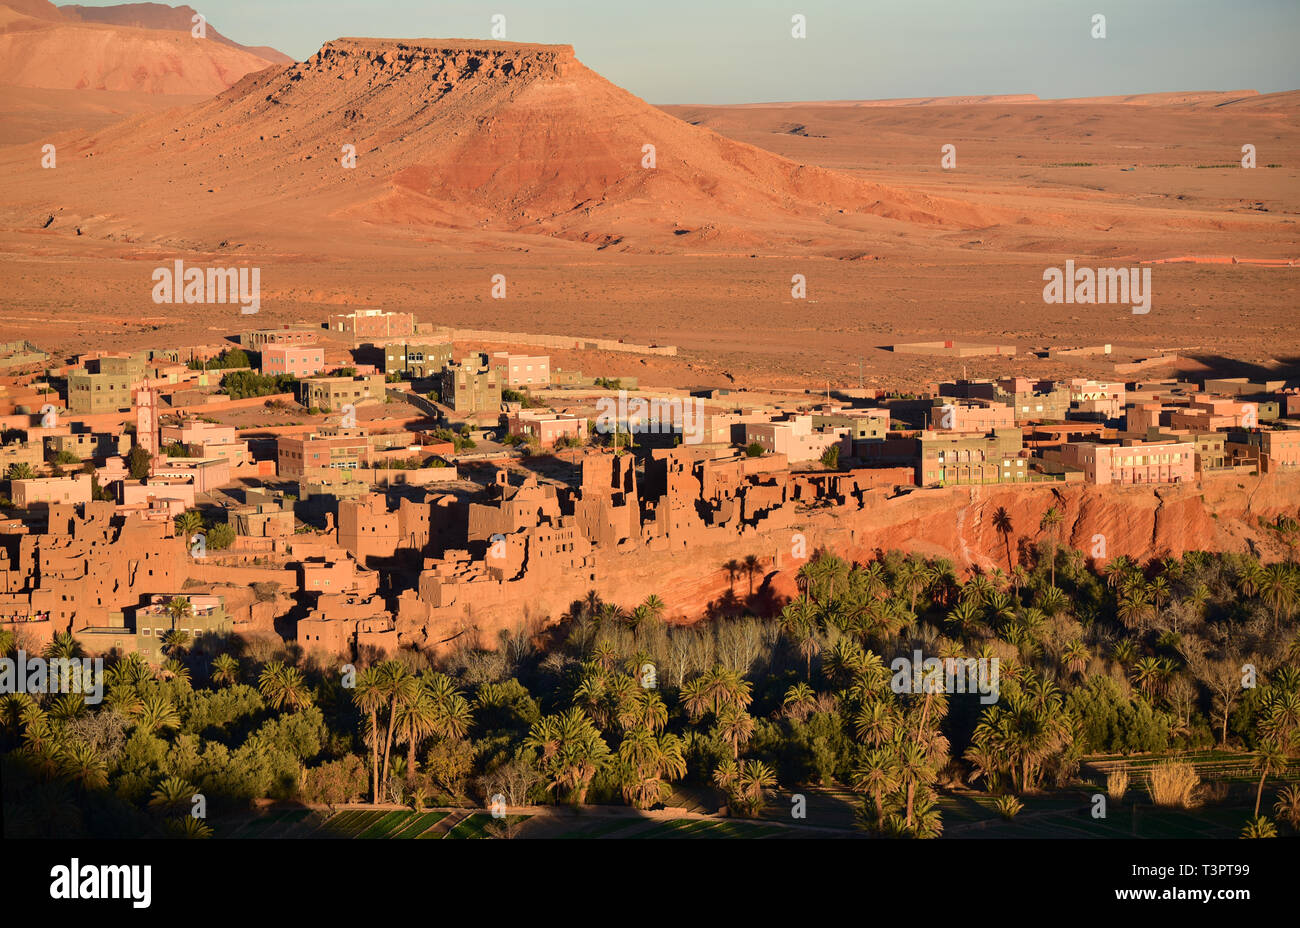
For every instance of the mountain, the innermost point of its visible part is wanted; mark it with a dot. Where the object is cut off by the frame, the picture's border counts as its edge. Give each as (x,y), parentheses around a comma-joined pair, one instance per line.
(44,47)
(161,16)
(493,138)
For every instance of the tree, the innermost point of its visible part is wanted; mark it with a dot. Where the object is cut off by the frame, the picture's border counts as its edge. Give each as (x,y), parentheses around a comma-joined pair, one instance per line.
(399,686)
(225,670)
(735,726)
(368,695)
(877,776)
(1051,522)
(417,719)
(571,752)
(20,471)
(220,536)
(1002,524)
(139,463)
(649,762)
(283,685)
(188,522)
(1278,589)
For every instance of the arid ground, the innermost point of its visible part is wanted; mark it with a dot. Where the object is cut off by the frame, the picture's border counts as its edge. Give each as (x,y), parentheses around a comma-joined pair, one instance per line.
(477,159)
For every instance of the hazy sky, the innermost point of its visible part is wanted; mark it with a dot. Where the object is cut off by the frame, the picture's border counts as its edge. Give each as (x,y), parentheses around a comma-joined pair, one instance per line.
(731,51)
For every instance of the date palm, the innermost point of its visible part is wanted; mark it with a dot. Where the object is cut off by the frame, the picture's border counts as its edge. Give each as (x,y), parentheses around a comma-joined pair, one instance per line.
(187,523)
(799,701)
(172,796)
(735,726)
(369,697)
(1075,657)
(1051,523)
(225,670)
(1002,525)
(417,719)
(1279,591)
(156,712)
(282,685)
(877,776)
(63,645)
(650,761)
(398,686)
(914,770)
(83,766)
(1288,805)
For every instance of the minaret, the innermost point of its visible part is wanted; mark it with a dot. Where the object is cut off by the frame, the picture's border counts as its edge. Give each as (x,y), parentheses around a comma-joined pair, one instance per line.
(146,419)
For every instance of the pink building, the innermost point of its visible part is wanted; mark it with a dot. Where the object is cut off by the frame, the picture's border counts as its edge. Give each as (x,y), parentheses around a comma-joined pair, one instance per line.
(523,370)
(1168,462)
(175,493)
(1102,397)
(207,440)
(796,439)
(962,416)
(547,427)
(298,360)
(74,489)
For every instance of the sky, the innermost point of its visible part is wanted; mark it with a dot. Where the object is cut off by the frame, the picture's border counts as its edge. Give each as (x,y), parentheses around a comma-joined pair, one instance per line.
(739,51)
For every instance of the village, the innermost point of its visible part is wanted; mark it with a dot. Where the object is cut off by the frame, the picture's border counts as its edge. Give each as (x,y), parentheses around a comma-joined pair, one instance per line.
(369,482)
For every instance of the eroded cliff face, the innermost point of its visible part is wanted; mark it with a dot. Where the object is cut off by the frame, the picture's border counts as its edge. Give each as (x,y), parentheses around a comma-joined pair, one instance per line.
(1221,514)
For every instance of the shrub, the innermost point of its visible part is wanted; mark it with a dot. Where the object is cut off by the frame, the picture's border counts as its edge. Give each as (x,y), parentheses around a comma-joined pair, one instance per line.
(1117,784)
(1174,784)
(1008,806)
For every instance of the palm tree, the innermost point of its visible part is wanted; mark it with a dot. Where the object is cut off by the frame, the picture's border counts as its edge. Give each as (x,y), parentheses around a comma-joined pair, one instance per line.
(83,766)
(1259,827)
(156,712)
(225,670)
(734,726)
(1288,805)
(1051,523)
(1269,757)
(175,641)
(283,685)
(650,760)
(1002,524)
(399,686)
(1278,589)
(172,796)
(63,645)
(417,719)
(178,607)
(571,752)
(799,701)
(368,695)
(187,523)
(913,770)
(20,471)
(878,775)
(1075,657)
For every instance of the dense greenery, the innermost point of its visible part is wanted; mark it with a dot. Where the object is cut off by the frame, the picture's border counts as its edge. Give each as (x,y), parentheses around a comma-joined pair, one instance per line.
(615,705)
(240,385)
(230,358)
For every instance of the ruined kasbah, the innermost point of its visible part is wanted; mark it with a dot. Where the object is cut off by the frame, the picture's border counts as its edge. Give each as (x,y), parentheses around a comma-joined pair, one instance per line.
(374,501)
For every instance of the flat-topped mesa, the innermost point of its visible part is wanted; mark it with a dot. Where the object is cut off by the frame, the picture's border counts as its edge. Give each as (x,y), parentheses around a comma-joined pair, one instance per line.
(448,60)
